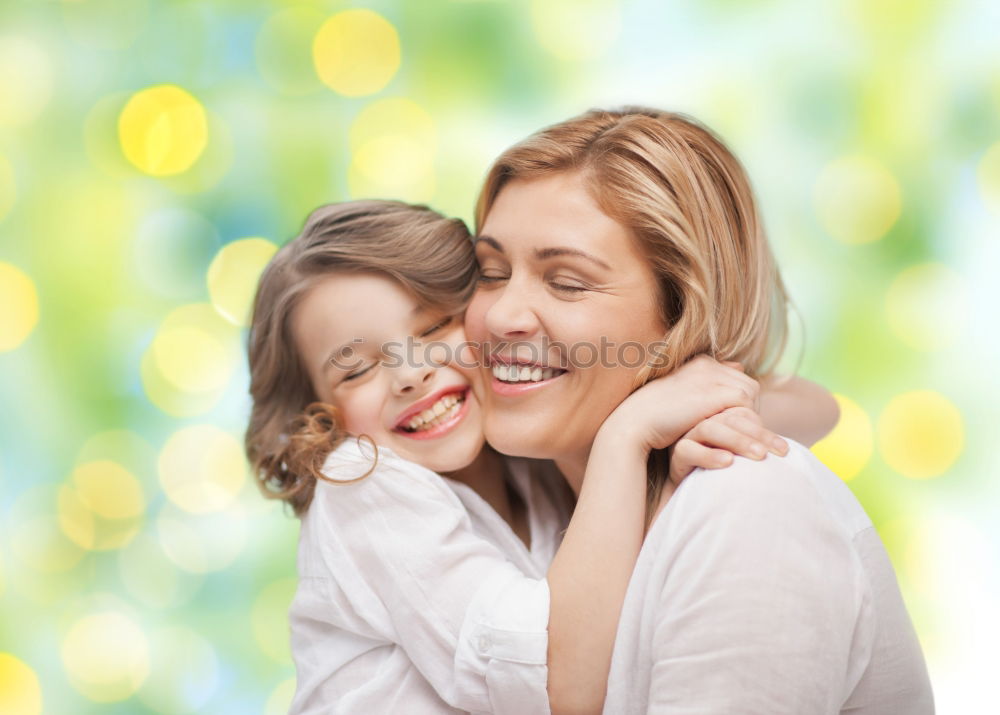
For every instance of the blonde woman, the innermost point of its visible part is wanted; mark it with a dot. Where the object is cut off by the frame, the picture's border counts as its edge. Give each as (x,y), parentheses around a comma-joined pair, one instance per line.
(759,588)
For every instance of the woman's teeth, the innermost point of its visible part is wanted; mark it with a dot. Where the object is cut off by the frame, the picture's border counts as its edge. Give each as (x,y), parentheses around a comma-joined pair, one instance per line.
(523,373)
(442,410)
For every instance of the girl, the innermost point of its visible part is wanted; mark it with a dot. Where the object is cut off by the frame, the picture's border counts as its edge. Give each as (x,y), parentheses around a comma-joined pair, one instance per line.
(420,593)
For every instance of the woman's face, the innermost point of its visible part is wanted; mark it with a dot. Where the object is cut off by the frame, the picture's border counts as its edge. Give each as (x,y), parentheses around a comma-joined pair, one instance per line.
(564,290)
(378,355)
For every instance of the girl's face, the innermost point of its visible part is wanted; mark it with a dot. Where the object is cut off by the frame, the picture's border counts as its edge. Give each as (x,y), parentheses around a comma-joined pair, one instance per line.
(373,351)
(570,292)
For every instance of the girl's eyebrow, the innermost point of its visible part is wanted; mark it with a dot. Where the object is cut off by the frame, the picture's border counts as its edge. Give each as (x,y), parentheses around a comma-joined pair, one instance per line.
(544,253)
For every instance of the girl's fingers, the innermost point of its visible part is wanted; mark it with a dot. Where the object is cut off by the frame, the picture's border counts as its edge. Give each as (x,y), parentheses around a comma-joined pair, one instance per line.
(752,427)
(689,455)
(716,433)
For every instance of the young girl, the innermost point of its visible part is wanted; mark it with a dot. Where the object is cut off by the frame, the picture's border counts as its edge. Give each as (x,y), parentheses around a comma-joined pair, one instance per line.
(420,593)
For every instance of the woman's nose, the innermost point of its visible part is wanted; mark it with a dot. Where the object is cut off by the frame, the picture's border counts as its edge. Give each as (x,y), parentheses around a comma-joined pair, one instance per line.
(511,315)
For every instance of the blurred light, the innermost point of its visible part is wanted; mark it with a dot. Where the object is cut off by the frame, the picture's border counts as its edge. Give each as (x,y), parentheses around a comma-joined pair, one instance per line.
(20,693)
(213,164)
(847,449)
(202,543)
(202,468)
(269,618)
(190,360)
(122,446)
(920,434)
(107,24)
(184,672)
(102,508)
(106,656)
(25,81)
(284,50)
(988,173)
(280,701)
(35,537)
(393,142)
(20,306)
(151,577)
(356,52)
(927,306)
(233,276)
(163,130)
(8,188)
(571,30)
(171,249)
(857,200)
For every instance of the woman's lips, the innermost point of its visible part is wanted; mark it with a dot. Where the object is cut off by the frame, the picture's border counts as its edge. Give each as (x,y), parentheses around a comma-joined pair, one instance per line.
(442,428)
(514,389)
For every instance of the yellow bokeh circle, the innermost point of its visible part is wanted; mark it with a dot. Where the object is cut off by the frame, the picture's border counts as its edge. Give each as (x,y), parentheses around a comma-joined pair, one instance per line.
(202,468)
(857,199)
(163,130)
(269,619)
(102,506)
(571,32)
(988,173)
(356,52)
(20,306)
(106,656)
(233,275)
(393,144)
(190,361)
(8,189)
(920,434)
(848,447)
(280,700)
(26,80)
(927,306)
(20,693)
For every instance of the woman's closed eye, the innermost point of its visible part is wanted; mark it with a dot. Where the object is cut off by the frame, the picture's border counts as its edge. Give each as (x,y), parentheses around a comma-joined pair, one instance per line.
(491,277)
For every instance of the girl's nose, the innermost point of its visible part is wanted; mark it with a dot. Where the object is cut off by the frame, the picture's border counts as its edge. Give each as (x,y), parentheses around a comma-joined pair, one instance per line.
(410,378)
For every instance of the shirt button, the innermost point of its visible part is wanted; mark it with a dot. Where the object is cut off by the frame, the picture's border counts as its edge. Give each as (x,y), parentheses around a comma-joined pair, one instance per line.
(483,643)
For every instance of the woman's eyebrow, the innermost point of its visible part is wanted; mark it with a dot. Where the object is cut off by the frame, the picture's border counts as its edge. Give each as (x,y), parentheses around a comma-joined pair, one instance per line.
(544,253)
(555,251)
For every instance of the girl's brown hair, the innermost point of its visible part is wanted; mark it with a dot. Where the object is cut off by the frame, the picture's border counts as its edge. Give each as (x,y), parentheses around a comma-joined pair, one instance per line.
(290,434)
(688,202)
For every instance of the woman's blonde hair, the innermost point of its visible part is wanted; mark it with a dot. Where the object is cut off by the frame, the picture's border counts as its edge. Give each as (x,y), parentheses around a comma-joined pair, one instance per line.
(688,202)
(290,434)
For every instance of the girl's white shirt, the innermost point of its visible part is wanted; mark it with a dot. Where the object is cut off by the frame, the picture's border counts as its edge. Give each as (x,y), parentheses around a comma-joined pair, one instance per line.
(415,596)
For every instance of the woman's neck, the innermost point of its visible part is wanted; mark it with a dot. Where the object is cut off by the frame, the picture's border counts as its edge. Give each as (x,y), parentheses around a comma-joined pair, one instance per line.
(573,468)
(485,476)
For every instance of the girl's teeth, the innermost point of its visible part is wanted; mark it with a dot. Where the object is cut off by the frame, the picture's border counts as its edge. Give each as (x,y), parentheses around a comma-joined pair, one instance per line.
(536,374)
(434,415)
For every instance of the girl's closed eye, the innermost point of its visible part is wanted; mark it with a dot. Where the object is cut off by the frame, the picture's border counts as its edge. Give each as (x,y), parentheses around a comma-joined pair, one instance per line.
(440,325)
(359,372)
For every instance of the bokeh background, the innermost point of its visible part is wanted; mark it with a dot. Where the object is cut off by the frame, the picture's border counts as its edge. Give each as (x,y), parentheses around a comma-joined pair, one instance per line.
(153,154)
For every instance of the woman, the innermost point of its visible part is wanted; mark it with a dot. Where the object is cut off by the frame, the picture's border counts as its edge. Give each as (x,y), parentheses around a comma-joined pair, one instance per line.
(761,587)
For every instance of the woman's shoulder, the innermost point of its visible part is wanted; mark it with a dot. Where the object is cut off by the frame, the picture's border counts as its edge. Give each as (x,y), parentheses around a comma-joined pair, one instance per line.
(769,488)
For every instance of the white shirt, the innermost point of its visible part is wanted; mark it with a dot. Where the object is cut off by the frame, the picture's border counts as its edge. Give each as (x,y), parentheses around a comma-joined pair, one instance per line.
(763,588)
(416,597)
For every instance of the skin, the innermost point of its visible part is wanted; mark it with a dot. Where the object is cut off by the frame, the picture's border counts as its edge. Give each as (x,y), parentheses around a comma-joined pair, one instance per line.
(525,297)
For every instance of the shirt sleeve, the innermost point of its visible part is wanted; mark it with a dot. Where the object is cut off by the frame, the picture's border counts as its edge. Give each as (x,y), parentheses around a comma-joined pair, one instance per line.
(759,597)
(470,621)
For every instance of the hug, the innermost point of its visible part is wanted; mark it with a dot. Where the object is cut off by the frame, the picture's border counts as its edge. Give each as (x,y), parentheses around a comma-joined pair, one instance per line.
(519,532)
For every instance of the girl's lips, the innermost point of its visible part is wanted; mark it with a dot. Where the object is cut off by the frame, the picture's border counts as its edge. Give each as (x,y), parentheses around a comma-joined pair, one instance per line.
(443,428)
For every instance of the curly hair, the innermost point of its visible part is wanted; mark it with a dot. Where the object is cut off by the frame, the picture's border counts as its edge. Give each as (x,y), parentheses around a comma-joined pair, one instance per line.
(290,433)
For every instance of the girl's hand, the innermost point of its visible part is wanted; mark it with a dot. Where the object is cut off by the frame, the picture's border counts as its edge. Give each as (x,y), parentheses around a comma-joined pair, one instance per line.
(712,442)
(662,411)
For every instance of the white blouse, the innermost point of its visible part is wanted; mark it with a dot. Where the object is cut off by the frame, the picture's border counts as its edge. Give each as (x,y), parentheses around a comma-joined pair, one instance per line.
(764,589)
(416,597)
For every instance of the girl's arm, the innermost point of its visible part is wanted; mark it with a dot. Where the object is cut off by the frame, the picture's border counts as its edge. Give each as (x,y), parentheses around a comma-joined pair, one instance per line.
(590,574)
(797,408)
